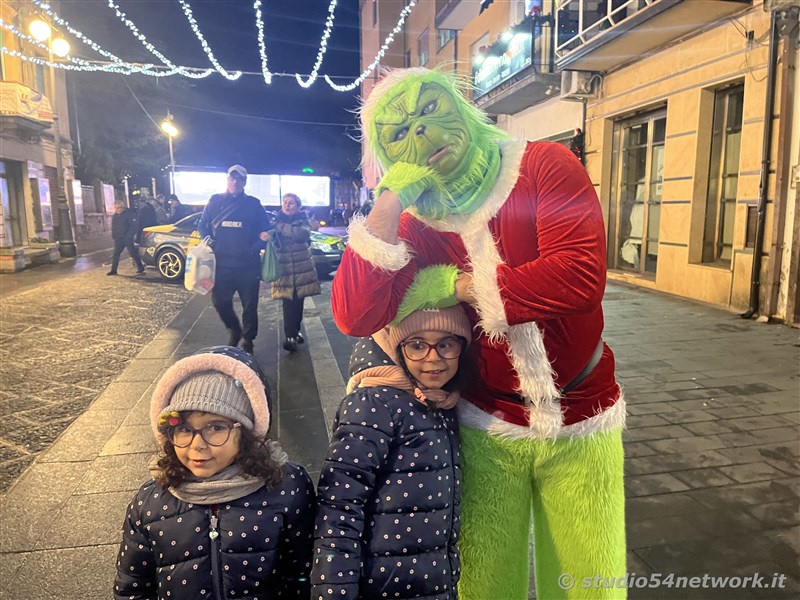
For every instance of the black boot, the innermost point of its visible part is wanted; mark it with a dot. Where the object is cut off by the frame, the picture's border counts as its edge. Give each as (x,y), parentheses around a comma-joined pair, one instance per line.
(300,339)
(247,346)
(290,344)
(234,336)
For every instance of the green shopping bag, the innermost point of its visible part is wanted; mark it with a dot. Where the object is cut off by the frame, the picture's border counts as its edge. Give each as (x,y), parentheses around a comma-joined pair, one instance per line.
(270,265)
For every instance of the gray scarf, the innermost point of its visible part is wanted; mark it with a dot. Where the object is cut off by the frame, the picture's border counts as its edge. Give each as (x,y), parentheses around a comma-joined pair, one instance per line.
(229,484)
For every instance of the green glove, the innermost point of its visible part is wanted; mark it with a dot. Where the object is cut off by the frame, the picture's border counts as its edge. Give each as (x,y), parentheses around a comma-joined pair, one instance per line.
(433,287)
(413,183)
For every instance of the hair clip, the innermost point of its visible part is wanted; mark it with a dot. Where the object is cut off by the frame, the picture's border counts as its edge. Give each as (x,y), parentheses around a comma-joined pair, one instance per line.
(238,383)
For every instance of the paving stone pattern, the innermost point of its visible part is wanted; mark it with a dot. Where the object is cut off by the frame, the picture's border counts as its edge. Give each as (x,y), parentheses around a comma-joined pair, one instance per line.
(61,344)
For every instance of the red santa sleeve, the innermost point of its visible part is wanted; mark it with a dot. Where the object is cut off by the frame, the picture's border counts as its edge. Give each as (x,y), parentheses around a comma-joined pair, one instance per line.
(568,276)
(370,282)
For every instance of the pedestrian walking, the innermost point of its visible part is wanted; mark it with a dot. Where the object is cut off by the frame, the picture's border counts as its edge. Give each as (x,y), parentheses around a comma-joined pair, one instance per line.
(298,278)
(390,487)
(226,515)
(151,213)
(123,231)
(237,225)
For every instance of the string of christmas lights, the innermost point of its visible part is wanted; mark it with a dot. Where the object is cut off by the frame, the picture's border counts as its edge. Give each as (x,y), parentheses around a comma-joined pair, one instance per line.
(323,48)
(262,49)
(117,65)
(147,69)
(152,49)
(187,10)
(373,65)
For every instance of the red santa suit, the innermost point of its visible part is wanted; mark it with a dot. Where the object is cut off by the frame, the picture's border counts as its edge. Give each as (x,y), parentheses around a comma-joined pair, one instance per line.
(536,249)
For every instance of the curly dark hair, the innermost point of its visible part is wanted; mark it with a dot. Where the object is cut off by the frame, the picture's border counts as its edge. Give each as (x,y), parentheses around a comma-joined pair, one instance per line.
(254,457)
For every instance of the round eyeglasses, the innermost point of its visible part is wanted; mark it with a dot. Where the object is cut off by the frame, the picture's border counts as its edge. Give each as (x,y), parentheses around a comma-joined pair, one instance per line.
(214,434)
(447,348)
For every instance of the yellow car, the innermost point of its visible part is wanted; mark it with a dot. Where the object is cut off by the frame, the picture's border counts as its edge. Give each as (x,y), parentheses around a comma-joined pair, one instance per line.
(165,246)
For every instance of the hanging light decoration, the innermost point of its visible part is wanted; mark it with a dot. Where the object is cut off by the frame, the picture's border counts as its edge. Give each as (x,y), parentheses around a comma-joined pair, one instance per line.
(187,10)
(323,48)
(374,64)
(262,49)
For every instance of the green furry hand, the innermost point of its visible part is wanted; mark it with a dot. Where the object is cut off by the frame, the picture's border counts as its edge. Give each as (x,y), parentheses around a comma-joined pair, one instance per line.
(433,287)
(418,185)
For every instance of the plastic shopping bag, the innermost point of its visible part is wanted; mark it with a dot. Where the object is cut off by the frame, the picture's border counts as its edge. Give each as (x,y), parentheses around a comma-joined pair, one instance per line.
(200,267)
(270,264)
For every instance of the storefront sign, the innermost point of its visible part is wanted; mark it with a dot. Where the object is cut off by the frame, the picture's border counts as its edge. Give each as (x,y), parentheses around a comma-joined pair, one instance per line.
(19,100)
(517,54)
(45,204)
(77,201)
(108,198)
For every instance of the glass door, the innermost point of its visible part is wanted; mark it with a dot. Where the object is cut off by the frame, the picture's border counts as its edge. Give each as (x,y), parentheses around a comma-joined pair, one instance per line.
(638,172)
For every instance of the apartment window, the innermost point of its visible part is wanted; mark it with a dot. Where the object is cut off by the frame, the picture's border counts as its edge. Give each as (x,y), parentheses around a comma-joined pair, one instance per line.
(423,48)
(637,176)
(443,36)
(40,79)
(723,176)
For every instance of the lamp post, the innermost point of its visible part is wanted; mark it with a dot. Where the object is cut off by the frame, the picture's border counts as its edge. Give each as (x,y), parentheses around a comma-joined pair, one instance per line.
(41,31)
(171,131)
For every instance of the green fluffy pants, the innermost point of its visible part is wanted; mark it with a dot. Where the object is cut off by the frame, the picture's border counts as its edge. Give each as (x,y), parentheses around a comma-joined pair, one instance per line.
(573,489)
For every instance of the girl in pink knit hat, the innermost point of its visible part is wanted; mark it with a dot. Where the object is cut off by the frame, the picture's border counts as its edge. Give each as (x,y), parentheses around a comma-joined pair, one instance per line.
(390,486)
(226,515)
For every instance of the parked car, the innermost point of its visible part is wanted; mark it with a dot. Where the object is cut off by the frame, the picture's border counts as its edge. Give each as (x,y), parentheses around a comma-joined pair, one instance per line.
(165,246)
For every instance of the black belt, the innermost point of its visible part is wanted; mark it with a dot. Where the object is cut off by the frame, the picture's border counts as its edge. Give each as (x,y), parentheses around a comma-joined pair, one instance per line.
(598,353)
(595,358)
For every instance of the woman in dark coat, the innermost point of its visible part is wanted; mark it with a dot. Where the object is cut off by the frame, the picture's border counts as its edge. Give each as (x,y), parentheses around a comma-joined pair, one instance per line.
(298,277)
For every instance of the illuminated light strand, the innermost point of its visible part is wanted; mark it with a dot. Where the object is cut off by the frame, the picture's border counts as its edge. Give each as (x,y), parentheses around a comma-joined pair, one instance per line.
(262,49)
(152,49)
(389,39)
(323,48)
(187,10)
(147,69)
(78,64)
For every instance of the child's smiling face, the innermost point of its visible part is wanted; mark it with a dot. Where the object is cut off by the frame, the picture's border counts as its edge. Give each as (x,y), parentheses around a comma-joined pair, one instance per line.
(432,371)
(200,457)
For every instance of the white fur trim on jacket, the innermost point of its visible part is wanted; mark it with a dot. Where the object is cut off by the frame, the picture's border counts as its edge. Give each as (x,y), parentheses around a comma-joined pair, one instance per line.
(473,417)
(199,363)
(386,256)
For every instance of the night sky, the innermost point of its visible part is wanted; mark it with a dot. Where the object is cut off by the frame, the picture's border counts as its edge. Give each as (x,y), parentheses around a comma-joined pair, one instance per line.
(245,121)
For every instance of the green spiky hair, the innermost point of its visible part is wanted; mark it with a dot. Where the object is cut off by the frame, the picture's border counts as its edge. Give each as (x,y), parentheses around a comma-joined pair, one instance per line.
(399,81)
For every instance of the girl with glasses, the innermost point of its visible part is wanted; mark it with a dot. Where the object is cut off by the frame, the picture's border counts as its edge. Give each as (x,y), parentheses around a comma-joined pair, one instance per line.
(390,486)
(226,515)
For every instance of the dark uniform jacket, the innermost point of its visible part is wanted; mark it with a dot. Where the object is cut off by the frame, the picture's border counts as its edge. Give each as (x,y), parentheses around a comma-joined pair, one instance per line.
(294,254)
(262,550)
(236,237)
(124,226)
(389,495)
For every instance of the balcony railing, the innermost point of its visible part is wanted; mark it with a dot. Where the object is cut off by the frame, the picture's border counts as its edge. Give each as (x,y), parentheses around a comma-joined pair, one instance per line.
(598,35)
(522,55)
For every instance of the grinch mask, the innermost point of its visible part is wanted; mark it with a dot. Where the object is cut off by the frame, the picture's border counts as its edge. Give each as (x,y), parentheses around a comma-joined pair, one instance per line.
(422,126)
(439,152)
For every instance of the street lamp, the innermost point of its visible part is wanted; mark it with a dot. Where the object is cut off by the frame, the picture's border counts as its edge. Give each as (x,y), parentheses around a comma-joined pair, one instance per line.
(171,131)
(41,31)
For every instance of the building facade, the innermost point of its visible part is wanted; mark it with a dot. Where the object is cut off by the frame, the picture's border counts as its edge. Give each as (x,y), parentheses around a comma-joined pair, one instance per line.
(29,213)
(688,125)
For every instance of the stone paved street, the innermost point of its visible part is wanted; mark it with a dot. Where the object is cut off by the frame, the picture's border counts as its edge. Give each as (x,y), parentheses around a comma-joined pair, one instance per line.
(61,344)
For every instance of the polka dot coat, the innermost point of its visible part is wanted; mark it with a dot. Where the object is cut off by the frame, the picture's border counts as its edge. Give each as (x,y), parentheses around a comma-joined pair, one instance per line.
(260,547)
(388,495)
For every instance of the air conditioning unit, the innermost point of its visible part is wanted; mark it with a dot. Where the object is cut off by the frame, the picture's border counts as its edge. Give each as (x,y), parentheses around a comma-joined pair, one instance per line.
(577,85)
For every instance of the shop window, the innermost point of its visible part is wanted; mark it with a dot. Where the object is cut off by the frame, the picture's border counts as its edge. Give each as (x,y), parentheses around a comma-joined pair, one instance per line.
(723,175)
(637,177)
(423,48)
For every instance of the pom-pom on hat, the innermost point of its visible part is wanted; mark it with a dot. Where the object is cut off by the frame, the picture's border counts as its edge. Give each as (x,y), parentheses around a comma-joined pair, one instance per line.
(221,380)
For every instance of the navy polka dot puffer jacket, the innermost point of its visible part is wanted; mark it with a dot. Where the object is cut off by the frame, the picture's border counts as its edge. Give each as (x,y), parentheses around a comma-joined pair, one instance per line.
(256,547)
(389,496)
